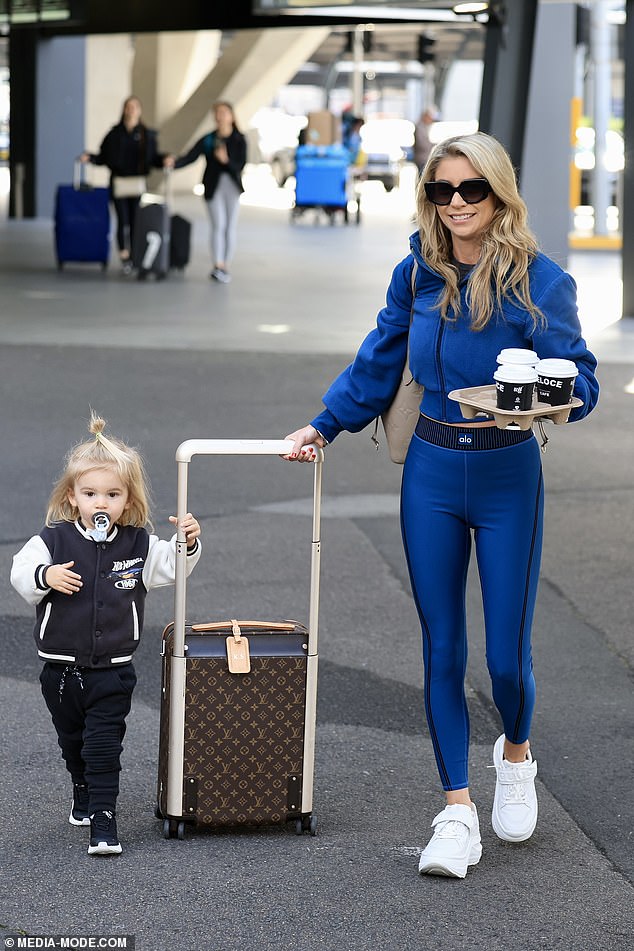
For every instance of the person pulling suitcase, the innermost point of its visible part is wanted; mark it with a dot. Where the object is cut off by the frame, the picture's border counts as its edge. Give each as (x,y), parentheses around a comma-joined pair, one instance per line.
(129,150)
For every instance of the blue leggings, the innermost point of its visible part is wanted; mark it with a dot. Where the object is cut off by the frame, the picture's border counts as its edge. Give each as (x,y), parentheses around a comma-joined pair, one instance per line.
(498,494)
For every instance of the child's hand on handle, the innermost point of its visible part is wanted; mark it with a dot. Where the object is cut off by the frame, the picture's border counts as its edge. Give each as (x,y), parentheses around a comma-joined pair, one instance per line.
(190,526)
(62,579)
(304,437)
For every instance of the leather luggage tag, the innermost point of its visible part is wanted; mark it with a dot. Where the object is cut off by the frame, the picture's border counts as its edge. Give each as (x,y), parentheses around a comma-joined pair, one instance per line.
(238,656)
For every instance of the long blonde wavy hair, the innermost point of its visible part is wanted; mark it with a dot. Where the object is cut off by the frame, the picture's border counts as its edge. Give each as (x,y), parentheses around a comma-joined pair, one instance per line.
(508,246)
(102,452)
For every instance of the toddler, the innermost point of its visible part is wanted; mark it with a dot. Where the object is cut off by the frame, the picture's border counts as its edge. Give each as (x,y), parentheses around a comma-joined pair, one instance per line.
(87,573)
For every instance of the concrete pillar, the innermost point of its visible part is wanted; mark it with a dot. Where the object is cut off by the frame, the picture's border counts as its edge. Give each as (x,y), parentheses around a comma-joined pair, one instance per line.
(357,71)
(545,181)
(59,104)
(168,67)
(251,69)
(602,73)
(108,71)
(627,226)
(507,71)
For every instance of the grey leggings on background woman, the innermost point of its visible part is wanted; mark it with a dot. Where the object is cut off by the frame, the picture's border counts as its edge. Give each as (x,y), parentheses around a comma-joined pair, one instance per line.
(223,213)
(225,151)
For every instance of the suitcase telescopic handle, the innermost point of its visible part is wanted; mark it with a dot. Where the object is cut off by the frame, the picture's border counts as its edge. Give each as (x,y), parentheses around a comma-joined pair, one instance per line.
(80,174)
(240,447)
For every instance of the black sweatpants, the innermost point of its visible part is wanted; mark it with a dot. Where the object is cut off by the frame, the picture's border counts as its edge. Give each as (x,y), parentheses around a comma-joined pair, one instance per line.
(88,708)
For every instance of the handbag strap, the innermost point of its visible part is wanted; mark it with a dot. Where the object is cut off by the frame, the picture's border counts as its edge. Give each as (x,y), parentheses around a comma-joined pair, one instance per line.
(413,276)
(414,288)
(411,310)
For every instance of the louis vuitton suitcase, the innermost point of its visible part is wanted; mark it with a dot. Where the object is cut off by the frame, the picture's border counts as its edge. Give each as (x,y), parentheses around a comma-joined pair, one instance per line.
(238,698)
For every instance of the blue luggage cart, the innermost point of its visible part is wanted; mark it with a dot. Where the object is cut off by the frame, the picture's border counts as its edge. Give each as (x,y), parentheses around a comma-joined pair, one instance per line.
(82,222)
(322,181)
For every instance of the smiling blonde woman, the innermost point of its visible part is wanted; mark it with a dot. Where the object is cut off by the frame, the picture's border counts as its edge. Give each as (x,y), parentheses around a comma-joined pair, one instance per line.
(481,285)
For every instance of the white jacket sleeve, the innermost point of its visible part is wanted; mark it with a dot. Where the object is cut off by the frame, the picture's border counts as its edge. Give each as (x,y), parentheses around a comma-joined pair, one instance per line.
(28,569)
(160,564)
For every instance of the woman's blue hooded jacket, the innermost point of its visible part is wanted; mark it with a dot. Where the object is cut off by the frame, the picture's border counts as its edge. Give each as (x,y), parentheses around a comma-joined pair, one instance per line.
(447,354)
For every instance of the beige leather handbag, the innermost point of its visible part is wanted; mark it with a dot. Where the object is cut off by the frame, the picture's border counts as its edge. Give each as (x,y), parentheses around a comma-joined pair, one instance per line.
(400,418)
(128,186)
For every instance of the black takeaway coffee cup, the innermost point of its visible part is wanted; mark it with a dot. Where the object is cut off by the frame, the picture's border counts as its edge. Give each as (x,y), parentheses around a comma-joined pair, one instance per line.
(555,381)
(514,385)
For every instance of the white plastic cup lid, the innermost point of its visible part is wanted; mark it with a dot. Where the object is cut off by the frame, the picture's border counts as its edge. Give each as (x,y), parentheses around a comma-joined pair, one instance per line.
(556,368)
(517,355)
(515,373)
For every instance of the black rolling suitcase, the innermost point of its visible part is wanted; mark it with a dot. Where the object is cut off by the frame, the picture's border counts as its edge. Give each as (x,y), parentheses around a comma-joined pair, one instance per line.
(238,700)
(151,243)
(180,242)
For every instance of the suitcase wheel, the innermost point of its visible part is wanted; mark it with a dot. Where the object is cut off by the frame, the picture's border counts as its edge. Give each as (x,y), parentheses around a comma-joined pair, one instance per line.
(306,824)
(173,828)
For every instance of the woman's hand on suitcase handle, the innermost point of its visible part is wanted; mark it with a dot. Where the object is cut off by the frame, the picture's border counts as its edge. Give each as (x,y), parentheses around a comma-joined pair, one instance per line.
(190,527)
(302,438)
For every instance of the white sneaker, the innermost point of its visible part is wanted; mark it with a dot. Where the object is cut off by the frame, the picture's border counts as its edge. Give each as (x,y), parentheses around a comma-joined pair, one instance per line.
(514,814)
(455,844)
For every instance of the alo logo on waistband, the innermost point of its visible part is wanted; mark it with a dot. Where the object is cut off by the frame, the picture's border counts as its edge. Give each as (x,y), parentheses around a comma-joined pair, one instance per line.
(465,439)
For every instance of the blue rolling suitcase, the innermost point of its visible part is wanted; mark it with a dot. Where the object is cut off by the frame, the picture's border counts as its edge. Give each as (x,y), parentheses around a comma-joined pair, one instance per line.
(82,222)
(321,178)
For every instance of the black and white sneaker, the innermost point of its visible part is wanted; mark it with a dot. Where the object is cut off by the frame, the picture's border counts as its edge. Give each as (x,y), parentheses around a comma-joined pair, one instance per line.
(103,834)
(79,815)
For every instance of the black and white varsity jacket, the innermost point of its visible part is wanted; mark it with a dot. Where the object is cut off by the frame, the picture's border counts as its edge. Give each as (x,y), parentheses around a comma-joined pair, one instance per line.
(100,625)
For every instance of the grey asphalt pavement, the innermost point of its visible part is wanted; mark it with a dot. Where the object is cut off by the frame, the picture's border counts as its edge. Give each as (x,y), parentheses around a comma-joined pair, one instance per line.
(188,358)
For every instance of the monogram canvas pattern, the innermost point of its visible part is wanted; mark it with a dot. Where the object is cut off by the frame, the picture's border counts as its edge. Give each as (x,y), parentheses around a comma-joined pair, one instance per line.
(244,737)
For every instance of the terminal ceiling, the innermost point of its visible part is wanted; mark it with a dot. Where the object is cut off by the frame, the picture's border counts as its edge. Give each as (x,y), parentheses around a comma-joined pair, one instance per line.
(396,25)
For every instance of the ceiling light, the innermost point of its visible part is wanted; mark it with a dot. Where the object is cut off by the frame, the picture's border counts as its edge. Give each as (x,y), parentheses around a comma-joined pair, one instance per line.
(470,7)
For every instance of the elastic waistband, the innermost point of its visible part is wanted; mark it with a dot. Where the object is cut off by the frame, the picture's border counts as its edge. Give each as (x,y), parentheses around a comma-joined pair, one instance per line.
(475,437)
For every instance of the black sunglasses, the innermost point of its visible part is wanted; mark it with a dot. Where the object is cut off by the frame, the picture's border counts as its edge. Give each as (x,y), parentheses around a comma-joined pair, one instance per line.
(472,191)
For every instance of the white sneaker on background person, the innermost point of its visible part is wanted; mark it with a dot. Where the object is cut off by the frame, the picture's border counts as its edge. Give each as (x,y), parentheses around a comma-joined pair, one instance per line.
(455,844)
(514,815)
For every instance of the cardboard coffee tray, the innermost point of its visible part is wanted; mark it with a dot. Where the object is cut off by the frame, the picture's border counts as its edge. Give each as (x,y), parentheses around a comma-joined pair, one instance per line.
(482,400)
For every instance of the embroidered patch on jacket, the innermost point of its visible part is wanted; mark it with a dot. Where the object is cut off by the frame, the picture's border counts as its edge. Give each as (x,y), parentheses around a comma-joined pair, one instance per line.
(125,573)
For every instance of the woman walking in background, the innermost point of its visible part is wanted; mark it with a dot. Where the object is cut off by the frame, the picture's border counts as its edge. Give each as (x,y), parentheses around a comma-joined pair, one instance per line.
(129,150)
(225,150)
